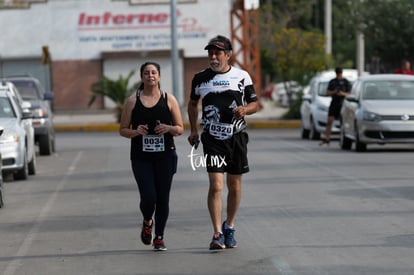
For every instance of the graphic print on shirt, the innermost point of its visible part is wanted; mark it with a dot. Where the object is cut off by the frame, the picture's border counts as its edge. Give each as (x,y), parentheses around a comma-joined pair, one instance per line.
(233,106)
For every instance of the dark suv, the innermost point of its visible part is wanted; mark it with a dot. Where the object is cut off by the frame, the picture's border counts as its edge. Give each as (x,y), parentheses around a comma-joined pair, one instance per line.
(32,90)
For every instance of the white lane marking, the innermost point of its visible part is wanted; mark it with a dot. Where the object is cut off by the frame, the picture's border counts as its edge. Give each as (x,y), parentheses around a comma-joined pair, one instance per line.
(27,243)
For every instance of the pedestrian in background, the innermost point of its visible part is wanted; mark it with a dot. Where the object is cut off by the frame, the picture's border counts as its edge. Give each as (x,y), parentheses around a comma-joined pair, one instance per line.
(338,88)
(405,68)
(151,118)
(227,96)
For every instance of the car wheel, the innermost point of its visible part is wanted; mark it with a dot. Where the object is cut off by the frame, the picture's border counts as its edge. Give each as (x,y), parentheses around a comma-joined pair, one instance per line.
(314,134)
(53,145)
(32,165)
(23,172)
(359,146)
(45,145)
(344,142)
(305,133)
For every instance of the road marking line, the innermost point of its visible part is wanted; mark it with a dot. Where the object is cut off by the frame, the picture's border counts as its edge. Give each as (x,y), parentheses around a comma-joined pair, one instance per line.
(27,243)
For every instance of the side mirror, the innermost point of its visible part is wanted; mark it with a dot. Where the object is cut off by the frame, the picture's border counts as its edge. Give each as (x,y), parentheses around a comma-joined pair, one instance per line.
(1,130)
(48,96)
(26,110)
(307,97)
(26,105)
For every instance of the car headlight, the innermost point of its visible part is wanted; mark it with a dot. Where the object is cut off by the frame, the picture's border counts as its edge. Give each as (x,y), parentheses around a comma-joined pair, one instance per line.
(39,112)
(9,136)
(370,116)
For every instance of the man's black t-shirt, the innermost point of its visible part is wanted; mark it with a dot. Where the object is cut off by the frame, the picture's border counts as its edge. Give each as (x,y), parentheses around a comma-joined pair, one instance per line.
(221,94)
(338,85)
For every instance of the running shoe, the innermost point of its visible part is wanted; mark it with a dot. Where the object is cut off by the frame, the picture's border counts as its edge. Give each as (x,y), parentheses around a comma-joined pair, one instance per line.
(217,242)
(146,233)
(324,143)
(229,239)
(159,244)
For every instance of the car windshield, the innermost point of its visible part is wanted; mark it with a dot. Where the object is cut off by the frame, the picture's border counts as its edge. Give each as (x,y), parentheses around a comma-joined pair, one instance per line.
(388,90)
(6,109)
(27,90)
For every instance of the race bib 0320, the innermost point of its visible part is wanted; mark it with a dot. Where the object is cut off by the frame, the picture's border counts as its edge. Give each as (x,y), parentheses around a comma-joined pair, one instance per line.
(221,131)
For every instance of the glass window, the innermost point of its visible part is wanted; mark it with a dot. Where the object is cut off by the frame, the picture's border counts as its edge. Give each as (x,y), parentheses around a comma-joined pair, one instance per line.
(6,109)
(323,88)
(27,90)
(389,90)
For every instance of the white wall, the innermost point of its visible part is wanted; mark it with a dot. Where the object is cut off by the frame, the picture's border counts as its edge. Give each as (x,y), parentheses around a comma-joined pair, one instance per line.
(113,68)
(64,27)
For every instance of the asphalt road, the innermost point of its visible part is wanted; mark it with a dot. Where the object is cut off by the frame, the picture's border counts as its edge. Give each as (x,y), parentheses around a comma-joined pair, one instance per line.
(304,210)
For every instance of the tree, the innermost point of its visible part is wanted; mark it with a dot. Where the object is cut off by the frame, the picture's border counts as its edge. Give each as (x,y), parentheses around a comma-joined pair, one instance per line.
(390,31)
(291,48)
(387,27)
(116,90)
(298,56)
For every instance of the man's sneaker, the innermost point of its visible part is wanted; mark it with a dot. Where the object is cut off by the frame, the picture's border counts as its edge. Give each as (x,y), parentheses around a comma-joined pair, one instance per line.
(324,143)
(217,242)
(228,233)
(159,244)
(146,233)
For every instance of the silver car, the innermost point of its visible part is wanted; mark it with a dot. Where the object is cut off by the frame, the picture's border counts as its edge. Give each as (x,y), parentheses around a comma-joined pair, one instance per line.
(380,110)
(17,144)
(31,90)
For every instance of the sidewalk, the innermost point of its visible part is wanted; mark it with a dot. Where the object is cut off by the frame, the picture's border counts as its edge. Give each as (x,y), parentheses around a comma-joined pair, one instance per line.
(104,120)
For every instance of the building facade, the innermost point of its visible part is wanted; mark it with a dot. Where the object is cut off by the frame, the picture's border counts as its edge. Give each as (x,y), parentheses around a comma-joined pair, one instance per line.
(87,39)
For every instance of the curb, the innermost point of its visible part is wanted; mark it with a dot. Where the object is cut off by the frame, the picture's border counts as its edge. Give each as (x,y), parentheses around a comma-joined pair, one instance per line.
(273,124)
(114,127)
(105,127)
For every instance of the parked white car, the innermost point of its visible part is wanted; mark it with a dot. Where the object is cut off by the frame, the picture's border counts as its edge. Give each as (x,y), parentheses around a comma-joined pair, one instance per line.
(315,104)
(280,96)
(380,110)
(17,142)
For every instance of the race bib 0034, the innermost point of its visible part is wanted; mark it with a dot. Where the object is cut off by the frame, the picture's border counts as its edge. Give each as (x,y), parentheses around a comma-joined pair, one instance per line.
(153,143)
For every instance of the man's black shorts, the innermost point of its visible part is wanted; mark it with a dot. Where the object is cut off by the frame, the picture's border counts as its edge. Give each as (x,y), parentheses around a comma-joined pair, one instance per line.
(228,155)
(335,111)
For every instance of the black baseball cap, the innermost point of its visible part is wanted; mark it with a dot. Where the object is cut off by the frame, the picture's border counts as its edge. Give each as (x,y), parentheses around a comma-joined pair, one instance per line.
(220,42)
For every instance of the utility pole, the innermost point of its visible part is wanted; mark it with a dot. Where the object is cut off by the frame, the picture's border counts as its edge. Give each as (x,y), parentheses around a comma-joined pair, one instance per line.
(328,26)
(360,52)
(174,48)
(360,47)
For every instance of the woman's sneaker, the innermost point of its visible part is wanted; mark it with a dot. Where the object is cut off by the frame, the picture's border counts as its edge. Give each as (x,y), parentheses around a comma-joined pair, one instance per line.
(228,233)
(146,233)
(217,242)
(159,244)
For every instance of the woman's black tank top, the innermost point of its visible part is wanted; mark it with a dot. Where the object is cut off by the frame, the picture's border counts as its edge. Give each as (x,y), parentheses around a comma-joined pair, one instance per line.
(143,115)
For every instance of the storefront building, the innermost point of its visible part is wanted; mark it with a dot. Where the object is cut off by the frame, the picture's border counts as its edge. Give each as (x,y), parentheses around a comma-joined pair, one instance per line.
(90,38)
